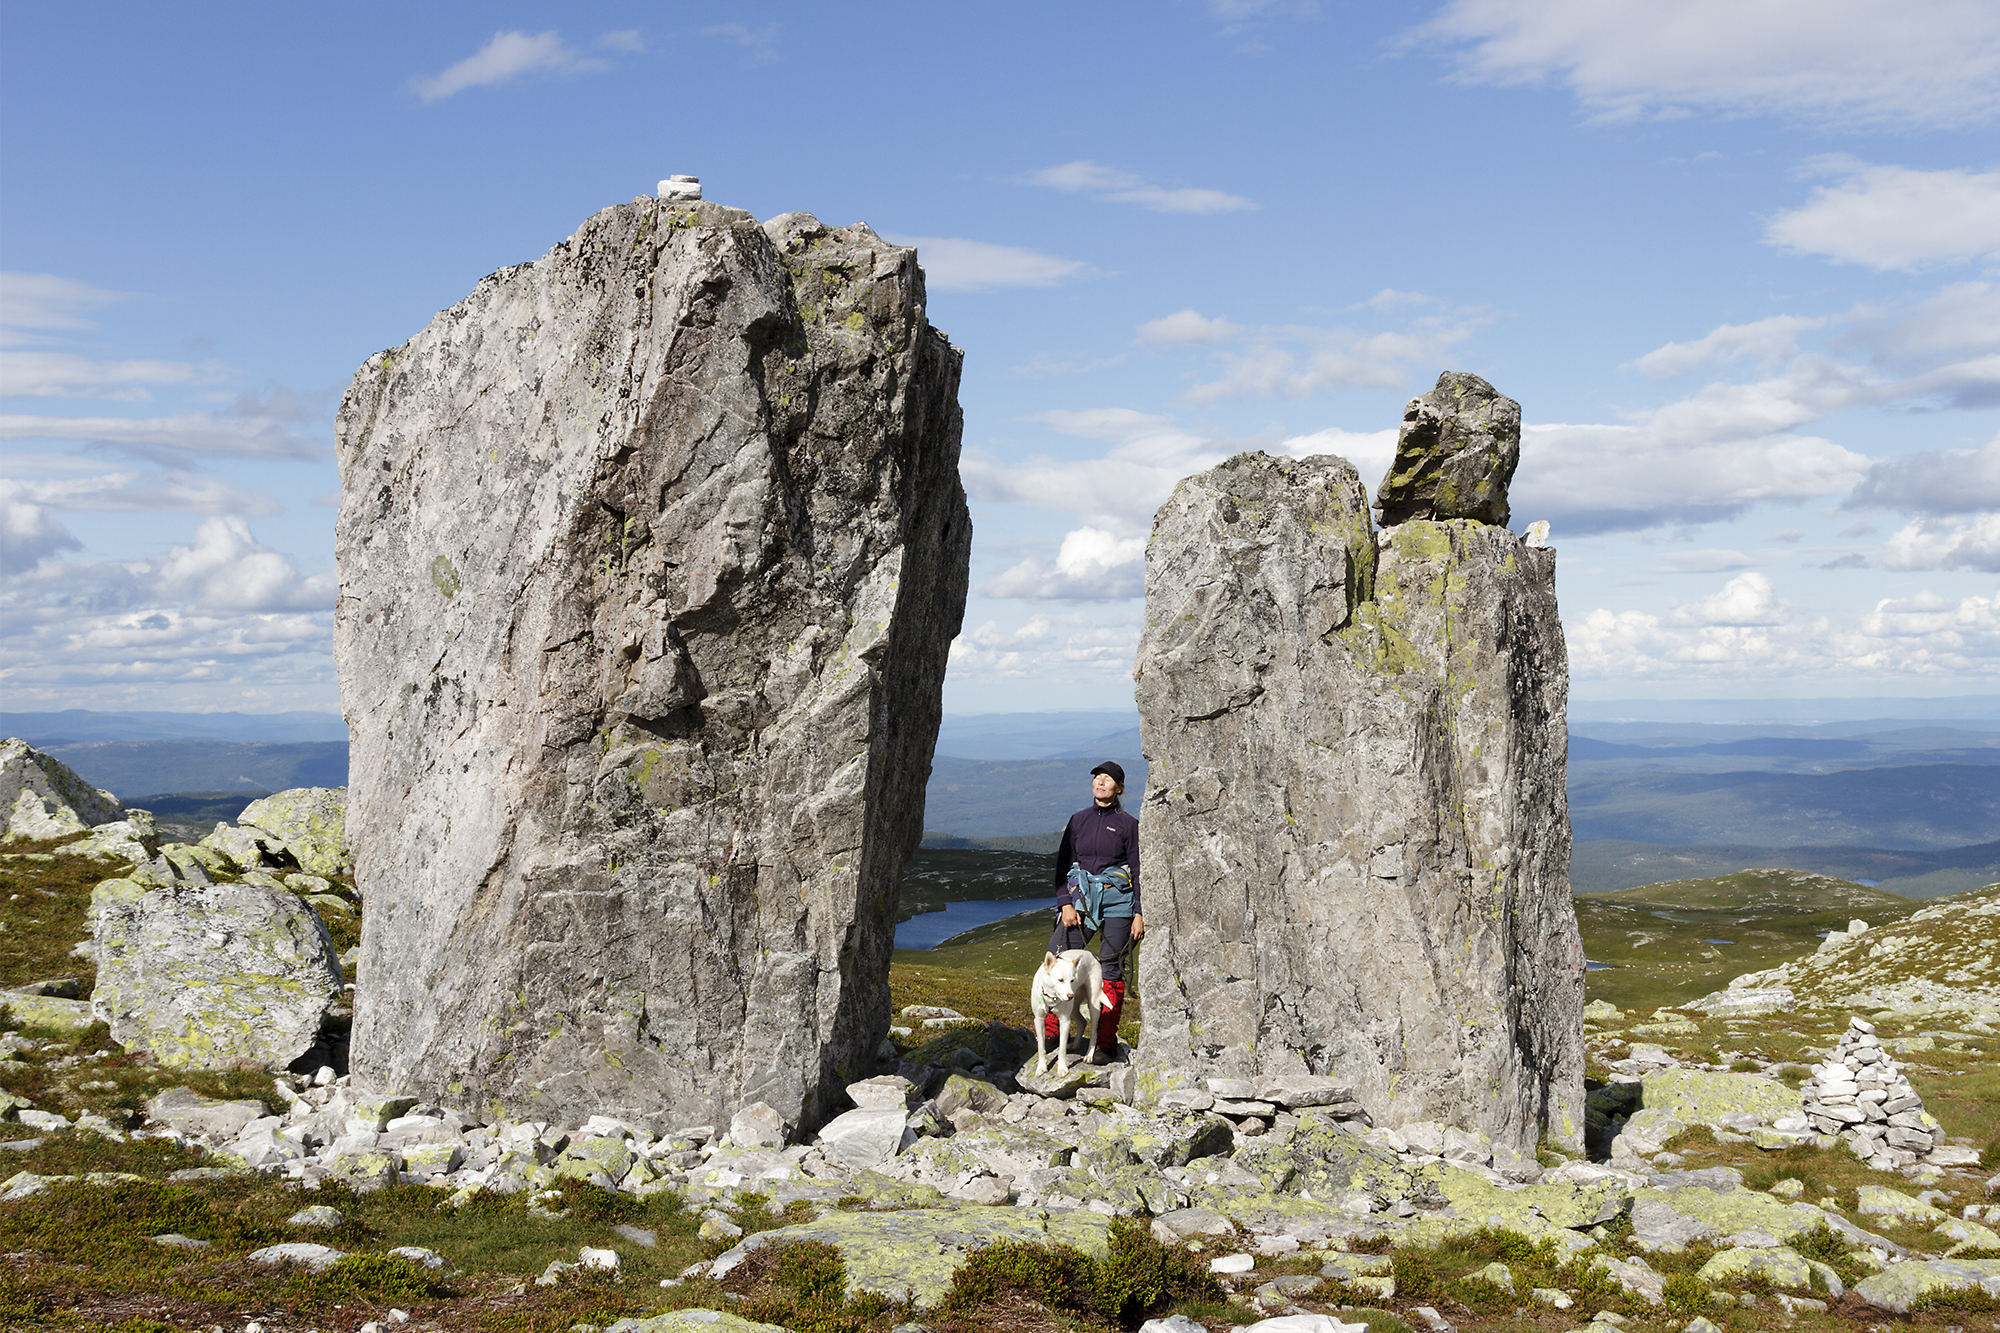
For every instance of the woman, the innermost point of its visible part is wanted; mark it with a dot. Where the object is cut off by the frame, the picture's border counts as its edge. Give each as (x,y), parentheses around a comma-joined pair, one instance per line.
(1097,886)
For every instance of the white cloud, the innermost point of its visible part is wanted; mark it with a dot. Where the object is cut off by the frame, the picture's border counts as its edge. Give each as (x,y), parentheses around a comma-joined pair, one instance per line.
(63,375)
(225,569)
(1117,492)
(1915,63)
(1186,326)
(954,264)
(45,301)
(625,39)
(1957,481)
(1946,543)
(133,492)
(1890,217)
(1296,361)
(1766,341)
(29,531)
(1598,478)
(507,56)
(1092,566)
(1710,561)
(1123,187)
(1097,644)
(1746,600)
(170,438)
(1893,642)
(1371,452)
(761,43)
(222,610)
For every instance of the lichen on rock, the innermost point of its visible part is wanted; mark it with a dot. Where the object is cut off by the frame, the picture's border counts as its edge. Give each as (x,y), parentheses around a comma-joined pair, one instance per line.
(1355,834)
(651,553)
(206,976)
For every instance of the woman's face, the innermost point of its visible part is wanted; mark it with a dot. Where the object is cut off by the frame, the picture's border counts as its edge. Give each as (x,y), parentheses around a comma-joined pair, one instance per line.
(1102,787)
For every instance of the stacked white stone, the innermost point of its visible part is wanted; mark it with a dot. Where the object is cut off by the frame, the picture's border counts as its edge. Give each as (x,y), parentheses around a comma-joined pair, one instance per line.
(1858,1094)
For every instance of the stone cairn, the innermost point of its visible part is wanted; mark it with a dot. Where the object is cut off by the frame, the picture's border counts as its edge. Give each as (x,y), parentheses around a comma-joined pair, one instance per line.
(1858,1094)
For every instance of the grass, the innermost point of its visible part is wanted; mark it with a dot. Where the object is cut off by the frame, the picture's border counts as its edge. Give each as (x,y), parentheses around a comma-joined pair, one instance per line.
(1659,939)
(45,905)
(984,974)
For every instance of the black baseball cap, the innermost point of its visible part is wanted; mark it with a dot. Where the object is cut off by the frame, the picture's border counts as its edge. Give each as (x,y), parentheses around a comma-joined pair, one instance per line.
(1110,767)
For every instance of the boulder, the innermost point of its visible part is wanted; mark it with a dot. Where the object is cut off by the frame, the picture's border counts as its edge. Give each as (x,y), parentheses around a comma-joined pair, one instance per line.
(197,1116)
(1899,1287)
(204,976)
(651,554)
(1697,1097)
(42,797)
(49,1013)
(865,1140)
(310,823)
(1455,454)
(1355,834)
(133,838)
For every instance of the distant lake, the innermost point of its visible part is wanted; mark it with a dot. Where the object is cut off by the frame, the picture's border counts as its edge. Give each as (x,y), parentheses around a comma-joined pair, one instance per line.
(927,930)
(1589,966)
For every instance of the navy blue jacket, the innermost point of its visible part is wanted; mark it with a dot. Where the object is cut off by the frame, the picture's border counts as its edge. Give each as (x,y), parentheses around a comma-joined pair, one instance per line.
(1097,838)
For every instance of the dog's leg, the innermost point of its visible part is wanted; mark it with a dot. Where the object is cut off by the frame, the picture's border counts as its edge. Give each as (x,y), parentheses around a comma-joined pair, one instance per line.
(1095,1001)
(1041,1012)
(1062,1046)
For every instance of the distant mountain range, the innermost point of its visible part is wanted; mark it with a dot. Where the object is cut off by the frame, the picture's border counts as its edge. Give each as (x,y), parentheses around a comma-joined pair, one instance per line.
(73,725)
(1908,799)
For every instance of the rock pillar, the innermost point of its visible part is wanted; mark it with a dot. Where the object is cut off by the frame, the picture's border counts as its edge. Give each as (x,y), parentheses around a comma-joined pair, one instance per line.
(650,554)
(1355,833)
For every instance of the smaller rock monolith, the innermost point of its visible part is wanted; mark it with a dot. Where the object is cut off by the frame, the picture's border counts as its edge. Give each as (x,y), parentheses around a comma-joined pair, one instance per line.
(1455,455)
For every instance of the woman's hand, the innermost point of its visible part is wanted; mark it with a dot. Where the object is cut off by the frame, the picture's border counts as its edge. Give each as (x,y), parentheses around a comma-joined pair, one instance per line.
(1070,916)
(1138,928)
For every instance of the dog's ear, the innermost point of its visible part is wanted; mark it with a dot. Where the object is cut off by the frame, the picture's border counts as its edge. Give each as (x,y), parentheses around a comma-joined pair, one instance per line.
(1049,960)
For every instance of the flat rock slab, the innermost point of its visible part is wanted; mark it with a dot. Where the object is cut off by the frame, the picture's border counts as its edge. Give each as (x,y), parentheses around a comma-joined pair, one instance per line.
(319,1258)
(922,1248)
(311,823)
(1898,1287)
(1702,1098)
(694,1321)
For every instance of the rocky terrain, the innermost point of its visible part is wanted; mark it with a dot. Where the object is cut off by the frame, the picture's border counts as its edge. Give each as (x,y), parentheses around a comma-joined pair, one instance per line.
(1706,1194)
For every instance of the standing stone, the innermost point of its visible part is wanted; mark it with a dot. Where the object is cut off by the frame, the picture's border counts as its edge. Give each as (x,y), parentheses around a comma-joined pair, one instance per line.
(1455,454)
(651,552)
(1355,833)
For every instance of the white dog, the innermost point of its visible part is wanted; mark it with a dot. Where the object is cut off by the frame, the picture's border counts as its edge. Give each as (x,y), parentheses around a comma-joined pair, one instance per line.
(1071,986)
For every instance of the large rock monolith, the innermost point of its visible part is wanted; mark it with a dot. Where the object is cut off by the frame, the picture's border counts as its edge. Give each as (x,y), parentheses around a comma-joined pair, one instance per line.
(1355,835)
(651,552)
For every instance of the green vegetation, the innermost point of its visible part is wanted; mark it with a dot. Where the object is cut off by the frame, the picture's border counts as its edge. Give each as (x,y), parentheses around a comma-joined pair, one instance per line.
(1679,940)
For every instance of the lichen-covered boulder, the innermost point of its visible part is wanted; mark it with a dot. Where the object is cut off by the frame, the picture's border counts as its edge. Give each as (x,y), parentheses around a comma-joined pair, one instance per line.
(133,838)
(1899,1287)
(42,797)
(311,824)
(651,554)
(205,976)
(1455,455)
(1355,833)
(1702,1098)
(48,1012)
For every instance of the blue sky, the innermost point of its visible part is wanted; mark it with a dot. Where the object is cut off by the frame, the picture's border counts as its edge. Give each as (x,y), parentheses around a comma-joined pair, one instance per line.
(1739,260)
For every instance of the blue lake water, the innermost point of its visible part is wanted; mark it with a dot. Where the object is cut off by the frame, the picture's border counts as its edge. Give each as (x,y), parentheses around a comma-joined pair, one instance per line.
(1589,966)
(1706,940)
(927,930)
